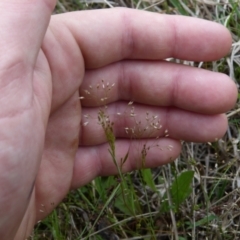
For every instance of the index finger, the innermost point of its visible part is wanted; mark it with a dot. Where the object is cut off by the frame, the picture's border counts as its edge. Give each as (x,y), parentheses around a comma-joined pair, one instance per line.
(110,35)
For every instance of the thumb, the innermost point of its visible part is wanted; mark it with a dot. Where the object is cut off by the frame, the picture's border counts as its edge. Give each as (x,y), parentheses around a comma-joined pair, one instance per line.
(22,27)
(23,24)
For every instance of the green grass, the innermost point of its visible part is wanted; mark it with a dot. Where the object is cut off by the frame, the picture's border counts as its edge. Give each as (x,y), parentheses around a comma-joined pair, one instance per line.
(196,197)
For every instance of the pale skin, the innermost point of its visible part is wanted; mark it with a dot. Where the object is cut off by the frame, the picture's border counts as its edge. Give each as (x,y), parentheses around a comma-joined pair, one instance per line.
(45,65)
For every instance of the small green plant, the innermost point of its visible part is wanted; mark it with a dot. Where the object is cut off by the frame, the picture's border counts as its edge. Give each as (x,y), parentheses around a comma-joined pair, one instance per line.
(125,198)
(178,192)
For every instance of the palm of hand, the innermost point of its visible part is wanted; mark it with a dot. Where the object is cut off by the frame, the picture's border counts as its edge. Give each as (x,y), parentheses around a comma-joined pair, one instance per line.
(62,134)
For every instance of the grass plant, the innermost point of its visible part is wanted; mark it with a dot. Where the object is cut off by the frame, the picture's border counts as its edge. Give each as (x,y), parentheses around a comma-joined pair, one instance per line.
(195,197)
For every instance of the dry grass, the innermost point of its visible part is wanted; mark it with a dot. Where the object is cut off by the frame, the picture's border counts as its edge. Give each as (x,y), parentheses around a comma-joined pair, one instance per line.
(140,205)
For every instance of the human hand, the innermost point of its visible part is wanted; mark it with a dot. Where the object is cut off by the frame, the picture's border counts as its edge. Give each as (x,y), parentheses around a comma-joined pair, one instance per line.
(44,150)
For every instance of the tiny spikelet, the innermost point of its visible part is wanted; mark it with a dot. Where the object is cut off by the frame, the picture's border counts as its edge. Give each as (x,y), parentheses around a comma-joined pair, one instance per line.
(170,147)
(103,85)
(85,124)
(87,92)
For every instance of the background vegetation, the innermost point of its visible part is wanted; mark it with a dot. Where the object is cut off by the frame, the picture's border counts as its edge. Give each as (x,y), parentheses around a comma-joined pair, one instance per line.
(196,197)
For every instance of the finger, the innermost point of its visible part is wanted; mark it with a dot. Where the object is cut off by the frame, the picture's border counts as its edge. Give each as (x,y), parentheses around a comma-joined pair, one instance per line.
(107,36)
(91,162)
(159,84)
(149,122)
(22,31)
